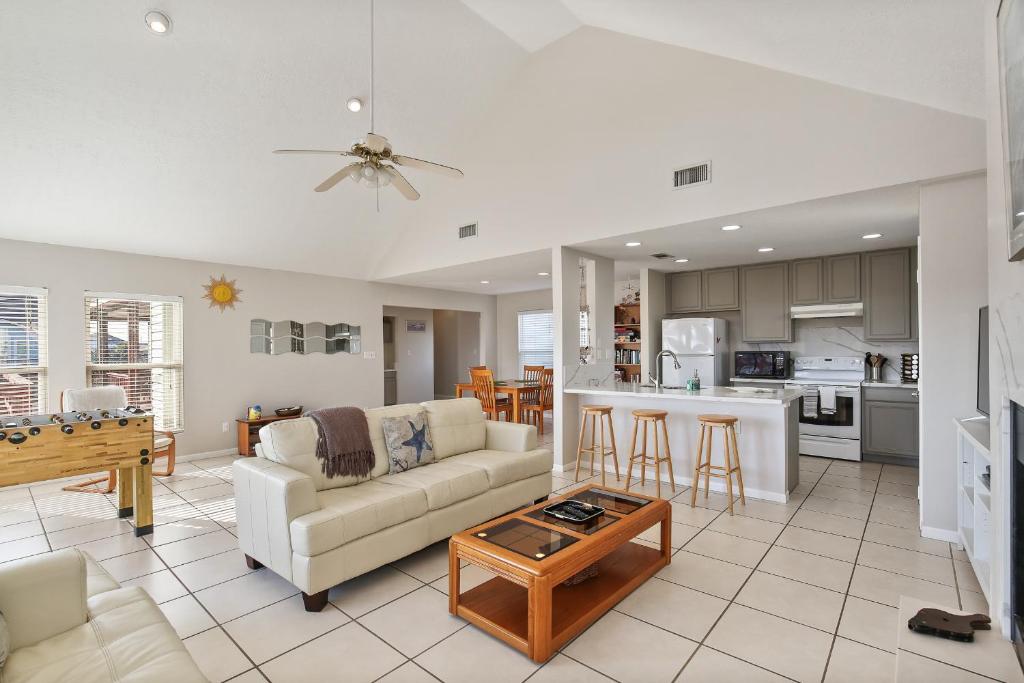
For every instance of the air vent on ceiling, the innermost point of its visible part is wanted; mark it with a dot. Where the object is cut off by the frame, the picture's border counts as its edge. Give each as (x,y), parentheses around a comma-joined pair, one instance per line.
(692,175)
(467,231)
(662,255)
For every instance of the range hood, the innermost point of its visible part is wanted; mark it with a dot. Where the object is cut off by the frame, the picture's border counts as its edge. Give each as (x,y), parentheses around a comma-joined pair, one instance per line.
(828,311)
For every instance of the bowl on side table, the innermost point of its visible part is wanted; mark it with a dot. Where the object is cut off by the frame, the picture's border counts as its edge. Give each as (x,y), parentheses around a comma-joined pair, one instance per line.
(291,411)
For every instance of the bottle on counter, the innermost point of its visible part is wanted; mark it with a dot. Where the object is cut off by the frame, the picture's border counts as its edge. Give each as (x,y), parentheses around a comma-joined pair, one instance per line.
(693,383)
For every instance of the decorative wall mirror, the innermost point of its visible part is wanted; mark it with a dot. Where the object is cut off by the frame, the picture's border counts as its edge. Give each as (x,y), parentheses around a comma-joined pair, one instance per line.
(288,336)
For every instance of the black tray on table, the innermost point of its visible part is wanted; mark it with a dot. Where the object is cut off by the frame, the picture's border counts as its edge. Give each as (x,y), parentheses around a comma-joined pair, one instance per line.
(575,511)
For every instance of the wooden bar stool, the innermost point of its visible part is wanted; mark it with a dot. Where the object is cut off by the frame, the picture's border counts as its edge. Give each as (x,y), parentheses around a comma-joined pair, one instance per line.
(652,417)
(602,414)
(732,457)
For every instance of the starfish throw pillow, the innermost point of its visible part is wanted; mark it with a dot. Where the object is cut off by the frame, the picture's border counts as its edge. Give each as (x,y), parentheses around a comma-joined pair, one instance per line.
(408,440)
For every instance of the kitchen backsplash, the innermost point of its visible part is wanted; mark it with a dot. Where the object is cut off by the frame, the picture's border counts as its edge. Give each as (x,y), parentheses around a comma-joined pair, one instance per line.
(826,337)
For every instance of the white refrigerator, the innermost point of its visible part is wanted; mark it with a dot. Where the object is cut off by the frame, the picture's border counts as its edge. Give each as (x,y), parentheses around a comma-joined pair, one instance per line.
(701,345)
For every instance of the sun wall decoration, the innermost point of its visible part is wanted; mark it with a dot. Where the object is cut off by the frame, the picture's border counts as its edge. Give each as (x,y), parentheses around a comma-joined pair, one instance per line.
(222,293)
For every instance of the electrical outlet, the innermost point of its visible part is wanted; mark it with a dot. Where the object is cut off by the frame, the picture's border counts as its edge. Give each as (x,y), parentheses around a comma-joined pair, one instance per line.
(369,355)
(223,426)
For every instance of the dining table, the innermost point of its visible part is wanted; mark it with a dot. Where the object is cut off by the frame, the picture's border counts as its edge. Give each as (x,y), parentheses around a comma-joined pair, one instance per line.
(513,388)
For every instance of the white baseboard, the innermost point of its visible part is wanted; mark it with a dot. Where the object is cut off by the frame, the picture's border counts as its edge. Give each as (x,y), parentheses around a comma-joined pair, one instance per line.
(206,454)
(684,482)
(947,535)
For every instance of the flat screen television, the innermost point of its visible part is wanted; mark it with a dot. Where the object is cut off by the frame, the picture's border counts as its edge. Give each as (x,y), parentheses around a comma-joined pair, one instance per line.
(983,361)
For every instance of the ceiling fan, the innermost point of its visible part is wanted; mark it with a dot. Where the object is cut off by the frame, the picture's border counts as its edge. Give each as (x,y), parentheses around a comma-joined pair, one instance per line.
(376,167)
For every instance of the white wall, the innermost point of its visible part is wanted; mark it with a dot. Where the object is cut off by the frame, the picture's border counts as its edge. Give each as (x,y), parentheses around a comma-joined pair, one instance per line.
(414,354)
(1006,320)
(221,376)
(653,304)
(953,263)
(509,306)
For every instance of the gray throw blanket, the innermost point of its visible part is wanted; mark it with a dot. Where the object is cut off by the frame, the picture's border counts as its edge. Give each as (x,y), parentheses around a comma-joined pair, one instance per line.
(343,447)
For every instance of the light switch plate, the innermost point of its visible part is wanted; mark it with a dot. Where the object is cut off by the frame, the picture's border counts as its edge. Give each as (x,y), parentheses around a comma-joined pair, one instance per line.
(369,355)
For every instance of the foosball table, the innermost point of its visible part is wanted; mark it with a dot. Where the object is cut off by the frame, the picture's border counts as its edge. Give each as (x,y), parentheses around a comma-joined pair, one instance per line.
(57,445)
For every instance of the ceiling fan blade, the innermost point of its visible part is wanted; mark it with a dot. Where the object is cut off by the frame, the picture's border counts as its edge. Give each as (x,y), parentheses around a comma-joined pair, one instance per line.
(412,162)
(348,171)
(376,143)
(315,151)
(400,183)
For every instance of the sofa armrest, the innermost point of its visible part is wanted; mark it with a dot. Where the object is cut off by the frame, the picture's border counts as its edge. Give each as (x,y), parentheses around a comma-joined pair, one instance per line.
(510,436)
(268,496)
(43,596)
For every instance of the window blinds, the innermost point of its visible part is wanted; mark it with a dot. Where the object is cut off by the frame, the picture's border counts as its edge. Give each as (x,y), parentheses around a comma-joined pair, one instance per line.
(135,342)
(536,338)
(23,357)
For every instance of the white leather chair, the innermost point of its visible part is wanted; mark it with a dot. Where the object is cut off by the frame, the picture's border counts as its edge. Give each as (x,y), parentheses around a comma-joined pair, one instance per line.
(112,397)
(69,620)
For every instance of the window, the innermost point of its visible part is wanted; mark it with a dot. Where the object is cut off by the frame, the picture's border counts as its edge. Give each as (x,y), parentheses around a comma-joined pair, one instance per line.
(134,341)
(23,359)
(536,338)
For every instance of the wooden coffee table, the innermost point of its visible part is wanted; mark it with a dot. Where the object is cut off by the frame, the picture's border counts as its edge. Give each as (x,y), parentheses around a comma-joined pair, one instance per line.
(526,604)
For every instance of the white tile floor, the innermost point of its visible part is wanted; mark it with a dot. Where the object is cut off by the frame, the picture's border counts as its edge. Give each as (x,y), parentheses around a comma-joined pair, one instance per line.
(805,591)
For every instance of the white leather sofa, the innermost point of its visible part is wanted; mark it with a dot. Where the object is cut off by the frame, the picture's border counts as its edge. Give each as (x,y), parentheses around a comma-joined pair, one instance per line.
(69,620)
(318,532)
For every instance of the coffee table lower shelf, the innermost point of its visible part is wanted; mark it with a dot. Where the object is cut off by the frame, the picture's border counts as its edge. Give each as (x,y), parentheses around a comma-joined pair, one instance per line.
(502,608)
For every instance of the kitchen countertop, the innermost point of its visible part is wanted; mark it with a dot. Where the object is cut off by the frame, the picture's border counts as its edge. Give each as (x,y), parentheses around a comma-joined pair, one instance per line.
(713,394)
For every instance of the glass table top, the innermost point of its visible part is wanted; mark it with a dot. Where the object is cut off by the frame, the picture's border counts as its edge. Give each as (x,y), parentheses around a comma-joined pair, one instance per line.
(529,540)
(616,501)
(587,527)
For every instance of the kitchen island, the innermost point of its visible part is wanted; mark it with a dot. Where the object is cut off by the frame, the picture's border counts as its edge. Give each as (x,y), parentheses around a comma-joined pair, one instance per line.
(767,432)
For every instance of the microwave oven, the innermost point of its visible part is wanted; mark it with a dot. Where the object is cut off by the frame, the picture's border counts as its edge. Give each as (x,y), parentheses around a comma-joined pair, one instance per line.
(763,364)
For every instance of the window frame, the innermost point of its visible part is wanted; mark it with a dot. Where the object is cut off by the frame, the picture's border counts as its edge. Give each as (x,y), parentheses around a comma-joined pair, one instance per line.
(177,366)
(42,368)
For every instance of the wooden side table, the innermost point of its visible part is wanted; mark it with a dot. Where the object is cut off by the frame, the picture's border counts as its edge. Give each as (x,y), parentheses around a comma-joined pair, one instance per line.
(249,432)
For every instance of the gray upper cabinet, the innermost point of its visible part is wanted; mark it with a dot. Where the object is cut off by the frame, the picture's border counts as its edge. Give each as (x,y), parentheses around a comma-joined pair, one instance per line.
(808,282)
(888,294)
(721,289)
(764,303)
(842,279)
(686,292)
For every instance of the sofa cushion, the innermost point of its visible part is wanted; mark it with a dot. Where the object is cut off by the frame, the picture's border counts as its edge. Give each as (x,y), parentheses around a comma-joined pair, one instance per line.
(292,443)
(503,467)
(127,639)
(381,464)
(408,440)
(443,483)
(353,512)
(457,426)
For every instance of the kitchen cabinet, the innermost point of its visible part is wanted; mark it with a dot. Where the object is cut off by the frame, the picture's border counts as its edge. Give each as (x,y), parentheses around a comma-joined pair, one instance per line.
(721,289)
(889,425)
(686,292)
(889,309)
(764,303)
(842,279)
(808,282)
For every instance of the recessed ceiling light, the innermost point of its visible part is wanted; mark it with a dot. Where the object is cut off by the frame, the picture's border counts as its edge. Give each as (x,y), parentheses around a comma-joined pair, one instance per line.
(731,227)
(354,104)
(158,22)
(543,274)
(485,282)
(871,236)
(632,244)
(1020,214)
(682,260)
(765,250)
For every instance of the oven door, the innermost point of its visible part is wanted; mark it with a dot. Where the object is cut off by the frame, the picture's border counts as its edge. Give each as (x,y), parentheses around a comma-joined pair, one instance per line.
(844,423)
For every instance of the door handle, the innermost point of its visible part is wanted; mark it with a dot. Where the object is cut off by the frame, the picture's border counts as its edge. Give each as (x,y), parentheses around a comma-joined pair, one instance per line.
(915,394)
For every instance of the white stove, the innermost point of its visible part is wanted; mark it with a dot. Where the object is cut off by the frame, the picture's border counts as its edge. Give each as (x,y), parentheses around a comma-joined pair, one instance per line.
(830,405)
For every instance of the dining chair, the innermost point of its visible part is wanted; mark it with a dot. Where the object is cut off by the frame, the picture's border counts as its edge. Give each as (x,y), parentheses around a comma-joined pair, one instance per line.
(531,375)
(112,397)
(545,399)
(483,389)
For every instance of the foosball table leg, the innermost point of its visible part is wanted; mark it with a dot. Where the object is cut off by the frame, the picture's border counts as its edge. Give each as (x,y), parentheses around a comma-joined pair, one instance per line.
(143,498)
(125,492)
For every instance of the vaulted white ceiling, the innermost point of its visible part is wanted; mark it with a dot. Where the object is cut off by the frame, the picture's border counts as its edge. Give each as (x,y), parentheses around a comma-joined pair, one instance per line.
(925,51)
(112,137)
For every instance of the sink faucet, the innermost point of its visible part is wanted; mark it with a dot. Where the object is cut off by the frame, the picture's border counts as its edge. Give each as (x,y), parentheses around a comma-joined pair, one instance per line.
(656,379)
